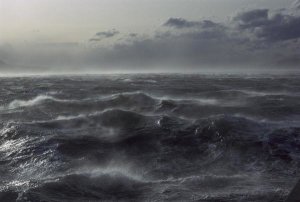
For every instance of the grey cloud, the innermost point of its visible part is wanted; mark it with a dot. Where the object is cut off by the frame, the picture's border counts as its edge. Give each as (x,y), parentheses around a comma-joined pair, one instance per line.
(252,19)
(103,35)
(219,45)
(195,49)
(181,23)
(108,34)
(254,39)
(278,27)
(296,4)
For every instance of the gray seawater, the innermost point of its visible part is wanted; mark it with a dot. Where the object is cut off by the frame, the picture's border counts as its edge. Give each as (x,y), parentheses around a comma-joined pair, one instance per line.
(149,138)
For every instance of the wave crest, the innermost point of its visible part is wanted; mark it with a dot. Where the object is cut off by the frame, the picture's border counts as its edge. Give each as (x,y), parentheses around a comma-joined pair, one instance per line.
(32,102)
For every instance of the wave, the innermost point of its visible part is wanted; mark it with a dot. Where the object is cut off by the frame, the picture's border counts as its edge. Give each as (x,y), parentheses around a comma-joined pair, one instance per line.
(240,94)
(222,129)
(87,187)
(110,118)
(167,149)
(270,93)
(190,138)
(119,187)
(147,140)
(32,102)
(135,100)
(142,103)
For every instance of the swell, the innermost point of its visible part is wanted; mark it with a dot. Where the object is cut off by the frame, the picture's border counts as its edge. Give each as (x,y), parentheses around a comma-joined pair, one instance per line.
(176,139)
(32,102)
(153,142)
(136,100)
(118,187)
(84,187)
(276,107)
(112,118)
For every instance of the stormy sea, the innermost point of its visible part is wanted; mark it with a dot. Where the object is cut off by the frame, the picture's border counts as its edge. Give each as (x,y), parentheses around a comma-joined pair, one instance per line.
(149,137)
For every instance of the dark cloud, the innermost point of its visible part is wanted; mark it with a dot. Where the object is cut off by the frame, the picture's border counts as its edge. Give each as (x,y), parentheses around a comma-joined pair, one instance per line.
(272,28)
(296,4)
(108,34)
(103,35)
(195,49)
(181,23)
(252,19)
(253,39)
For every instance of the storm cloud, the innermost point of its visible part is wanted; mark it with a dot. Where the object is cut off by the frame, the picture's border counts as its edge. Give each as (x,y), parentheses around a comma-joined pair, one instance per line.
(181,23)
(276,27)
(252,39)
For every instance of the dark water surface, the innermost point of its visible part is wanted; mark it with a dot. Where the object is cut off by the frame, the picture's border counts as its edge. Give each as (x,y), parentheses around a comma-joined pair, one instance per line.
(149,138)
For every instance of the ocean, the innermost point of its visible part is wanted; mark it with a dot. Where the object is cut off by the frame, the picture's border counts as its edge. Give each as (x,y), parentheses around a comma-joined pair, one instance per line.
(149,137)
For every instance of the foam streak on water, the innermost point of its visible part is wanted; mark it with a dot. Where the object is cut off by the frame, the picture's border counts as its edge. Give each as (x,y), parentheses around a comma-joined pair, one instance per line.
(149,138)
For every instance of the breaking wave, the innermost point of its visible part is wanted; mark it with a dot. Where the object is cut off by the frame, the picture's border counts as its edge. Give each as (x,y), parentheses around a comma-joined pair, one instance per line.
(32,102)
(108,142)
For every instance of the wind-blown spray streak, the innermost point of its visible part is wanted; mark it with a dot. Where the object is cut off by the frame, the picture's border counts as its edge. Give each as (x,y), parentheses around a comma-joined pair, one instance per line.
(149,137)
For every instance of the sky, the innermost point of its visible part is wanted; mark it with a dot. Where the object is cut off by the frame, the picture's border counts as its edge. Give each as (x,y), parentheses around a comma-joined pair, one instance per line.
(149,35)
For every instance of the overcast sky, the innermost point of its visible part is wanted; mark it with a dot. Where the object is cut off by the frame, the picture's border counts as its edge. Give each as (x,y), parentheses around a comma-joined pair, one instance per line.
(77,35)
